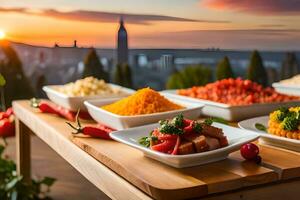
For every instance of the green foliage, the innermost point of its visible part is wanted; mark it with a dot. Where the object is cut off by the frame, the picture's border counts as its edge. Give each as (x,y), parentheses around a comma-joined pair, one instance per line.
(224,69)
(189,76)
(12,186)
(256,70)
(17,84)
(123,76)
(289,66)
(93,66)
(127,76)
(2,80)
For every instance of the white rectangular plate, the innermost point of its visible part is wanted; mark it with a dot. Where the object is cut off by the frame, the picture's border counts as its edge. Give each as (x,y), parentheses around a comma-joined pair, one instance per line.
(75,103)
(287,89)
(236,137)
(270,139)
(234,113)
(119,122)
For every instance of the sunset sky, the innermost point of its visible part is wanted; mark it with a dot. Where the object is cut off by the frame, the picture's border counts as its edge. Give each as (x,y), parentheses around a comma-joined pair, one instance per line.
(227,24)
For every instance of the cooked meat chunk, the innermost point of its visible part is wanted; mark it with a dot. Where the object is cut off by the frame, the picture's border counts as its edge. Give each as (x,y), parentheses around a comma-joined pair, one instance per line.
(198,141)
(186,148)
(200,144)
(212,131)
(223,141)
(213,143)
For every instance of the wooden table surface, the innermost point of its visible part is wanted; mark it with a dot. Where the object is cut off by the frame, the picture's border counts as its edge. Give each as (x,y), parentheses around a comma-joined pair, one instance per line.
(122,172)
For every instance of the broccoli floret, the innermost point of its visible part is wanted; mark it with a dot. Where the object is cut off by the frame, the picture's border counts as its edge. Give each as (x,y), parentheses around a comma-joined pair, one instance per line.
(291,121)
(283,112)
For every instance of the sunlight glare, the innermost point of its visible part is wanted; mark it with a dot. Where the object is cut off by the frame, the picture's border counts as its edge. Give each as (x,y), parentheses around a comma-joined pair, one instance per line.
(2,34)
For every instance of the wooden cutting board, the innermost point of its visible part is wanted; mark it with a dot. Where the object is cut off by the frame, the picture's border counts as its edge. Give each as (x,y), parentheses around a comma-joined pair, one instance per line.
(164,182)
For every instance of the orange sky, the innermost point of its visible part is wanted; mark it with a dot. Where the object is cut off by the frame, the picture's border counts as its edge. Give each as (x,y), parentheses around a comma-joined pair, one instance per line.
(182,24)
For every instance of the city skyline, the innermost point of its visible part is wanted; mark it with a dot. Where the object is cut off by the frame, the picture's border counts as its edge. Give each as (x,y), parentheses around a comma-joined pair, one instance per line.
(225,24)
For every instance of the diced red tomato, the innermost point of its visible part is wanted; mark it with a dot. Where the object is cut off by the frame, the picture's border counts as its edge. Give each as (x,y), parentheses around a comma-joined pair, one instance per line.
(165,146)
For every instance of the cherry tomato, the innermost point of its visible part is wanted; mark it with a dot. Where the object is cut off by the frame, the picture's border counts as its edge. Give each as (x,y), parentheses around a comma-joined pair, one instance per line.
(249,151)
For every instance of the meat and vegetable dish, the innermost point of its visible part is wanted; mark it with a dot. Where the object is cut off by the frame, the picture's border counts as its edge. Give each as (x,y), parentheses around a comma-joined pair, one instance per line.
(180,136)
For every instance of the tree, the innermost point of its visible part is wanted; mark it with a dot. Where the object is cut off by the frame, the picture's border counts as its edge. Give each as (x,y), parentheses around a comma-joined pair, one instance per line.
(256,70)
(127,76)
(93,66)
(224,69)
(289,66)
(17,84)
(118,75)
(190,76)
(122,75)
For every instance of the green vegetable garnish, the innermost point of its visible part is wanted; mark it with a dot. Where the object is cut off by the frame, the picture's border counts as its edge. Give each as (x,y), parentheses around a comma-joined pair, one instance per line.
(261,127)
(197,127)
(170,129)
(145,141)
(178,120)
(209,121)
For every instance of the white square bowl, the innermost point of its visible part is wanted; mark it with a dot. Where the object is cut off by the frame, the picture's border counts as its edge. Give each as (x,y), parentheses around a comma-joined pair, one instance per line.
(236,138)
(267,138)
(234,113)
(75,103)
(118,122)
(287,89)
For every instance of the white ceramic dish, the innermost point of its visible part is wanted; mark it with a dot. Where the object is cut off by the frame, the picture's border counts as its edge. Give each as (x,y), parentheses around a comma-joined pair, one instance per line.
(119,122)
(267,138)
(287,89)
(236,137)
(234,113)
(74,103)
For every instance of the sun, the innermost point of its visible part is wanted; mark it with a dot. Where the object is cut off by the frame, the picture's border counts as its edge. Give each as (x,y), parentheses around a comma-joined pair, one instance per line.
(2,34)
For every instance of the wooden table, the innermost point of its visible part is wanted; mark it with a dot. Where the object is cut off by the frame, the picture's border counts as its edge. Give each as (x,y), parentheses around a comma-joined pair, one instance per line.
(122,172)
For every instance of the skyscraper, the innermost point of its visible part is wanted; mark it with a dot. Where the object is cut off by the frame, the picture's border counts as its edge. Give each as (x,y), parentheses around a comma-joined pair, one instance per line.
(122,43)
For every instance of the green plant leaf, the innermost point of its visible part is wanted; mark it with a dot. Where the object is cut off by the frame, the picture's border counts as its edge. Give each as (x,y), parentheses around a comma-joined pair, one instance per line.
(260,127)
(48,181)
(12,183)
(1,149)
(209,121)
(14,195)
(2,80)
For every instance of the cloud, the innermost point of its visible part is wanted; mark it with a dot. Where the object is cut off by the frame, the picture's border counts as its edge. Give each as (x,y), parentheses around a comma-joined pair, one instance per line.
(272,25)
(104,17)
(260,7)
(263,39)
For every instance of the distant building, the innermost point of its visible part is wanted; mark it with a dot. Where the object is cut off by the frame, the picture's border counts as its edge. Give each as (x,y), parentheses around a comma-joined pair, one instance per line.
(167,61)
(122,44)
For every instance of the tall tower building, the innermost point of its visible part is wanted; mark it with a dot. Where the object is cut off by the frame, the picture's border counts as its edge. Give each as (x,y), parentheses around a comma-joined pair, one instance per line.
(122,43)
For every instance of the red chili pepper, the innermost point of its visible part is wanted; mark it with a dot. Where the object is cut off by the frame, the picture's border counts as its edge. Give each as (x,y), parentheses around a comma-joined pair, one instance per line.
(97,131)
(84,115)
(175,150)
(9,112)
(7,127)
(63,112)
(47,107)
